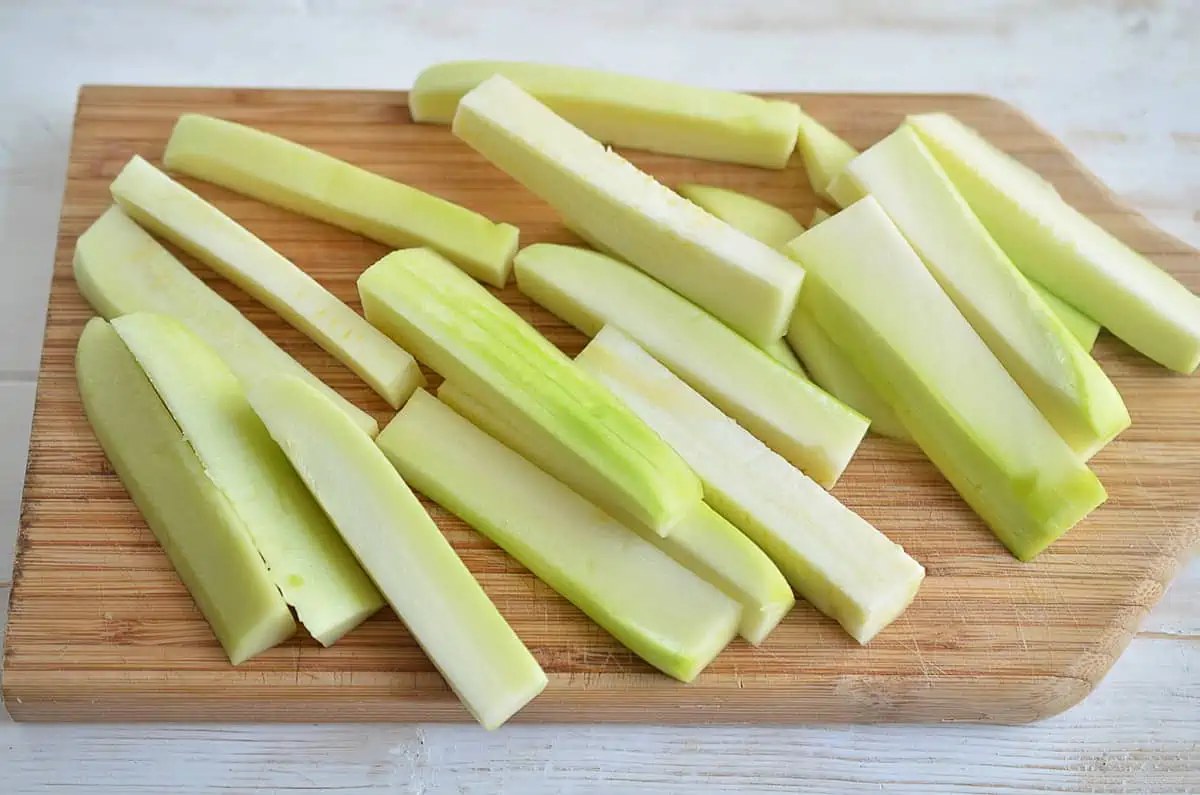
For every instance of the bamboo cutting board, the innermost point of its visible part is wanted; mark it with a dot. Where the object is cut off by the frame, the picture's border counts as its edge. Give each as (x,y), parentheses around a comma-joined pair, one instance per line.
(101,629)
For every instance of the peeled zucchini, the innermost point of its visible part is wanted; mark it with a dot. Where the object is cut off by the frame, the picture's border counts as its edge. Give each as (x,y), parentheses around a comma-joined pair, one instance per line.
(306,557)
(1067,252)
(458,328)
(808,427)
(831,556)
(306,181)
(403,551)
(120,269)
(703,541)
(664,613)
(1033,344)
(746,284)
(203,536)
(824,154)
(622,110)
(903,333)
(167,208)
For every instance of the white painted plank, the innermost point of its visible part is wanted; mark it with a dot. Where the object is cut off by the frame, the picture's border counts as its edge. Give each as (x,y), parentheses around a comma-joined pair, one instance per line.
(1096,747)
(1112,79)
(1178,612)
(1123,78)
(28,227)
(16,412)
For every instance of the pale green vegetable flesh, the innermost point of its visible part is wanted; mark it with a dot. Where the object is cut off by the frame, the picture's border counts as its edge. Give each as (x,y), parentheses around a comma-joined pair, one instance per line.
(196,526)
(403,551)
(306,557)
(672,118)
(1039,352)
(757,218)
(703,541)
(306,181)
(781,352)
(831,370)
(823,152)
(762,221)
(836,560)
(792,416)
(465,333)
(873,294)
(1065,251)
(748,285)
(843,190)
(170,210)
(120,269)
(709,545)
(776,349)
(664,613)
(979,146)
(1082,327)
(818,216)
(537,443)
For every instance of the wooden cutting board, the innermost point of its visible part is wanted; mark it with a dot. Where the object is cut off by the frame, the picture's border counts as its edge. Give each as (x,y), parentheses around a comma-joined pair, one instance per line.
(100,628)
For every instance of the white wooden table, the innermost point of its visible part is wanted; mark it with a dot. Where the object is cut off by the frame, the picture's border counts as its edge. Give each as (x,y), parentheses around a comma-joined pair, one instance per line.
(1118,81)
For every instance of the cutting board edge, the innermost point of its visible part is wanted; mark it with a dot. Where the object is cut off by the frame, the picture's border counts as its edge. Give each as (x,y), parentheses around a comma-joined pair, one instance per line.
(30,691)
(46,697)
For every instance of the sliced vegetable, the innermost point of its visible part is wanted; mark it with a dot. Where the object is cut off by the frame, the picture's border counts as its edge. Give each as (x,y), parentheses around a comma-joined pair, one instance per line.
(844,191)
(306,557)
(1064,250)
(465,333)
(403,551)
(743,282)
(120,269)
(781,352)
(672,118)
(1082,327)
(703,541)
(762,221)
(874,295)
(1039,352)
(204,538)
(818,216)
(795,418)
(306,181)
(971,141)
(759,219)
(831,370)
(823,152)
(172,211)
(776,349)
(664,613)
(845,567)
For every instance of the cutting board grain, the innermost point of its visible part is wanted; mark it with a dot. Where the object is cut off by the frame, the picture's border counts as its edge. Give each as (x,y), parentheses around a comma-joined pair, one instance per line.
(101,629)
